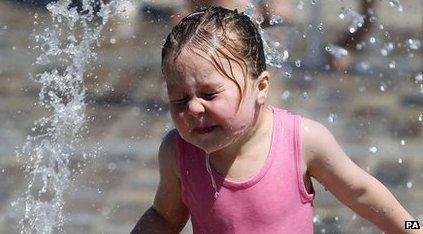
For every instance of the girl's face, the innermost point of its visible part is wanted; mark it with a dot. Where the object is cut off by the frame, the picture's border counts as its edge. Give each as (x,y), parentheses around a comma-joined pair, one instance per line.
(205,105)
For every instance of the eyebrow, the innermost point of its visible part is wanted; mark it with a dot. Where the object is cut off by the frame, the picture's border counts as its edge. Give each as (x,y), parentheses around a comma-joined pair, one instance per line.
(212,85)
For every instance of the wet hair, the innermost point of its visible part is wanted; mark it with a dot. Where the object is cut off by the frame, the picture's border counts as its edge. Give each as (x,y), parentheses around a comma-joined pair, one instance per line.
(221,34)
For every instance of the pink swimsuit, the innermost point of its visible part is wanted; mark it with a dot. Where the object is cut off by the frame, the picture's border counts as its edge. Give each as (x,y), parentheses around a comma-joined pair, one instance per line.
(275,200)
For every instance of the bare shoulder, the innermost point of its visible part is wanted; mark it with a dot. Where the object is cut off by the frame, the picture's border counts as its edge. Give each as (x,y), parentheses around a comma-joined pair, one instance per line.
(167,152)
(168,201)
(328,163)
(314,136)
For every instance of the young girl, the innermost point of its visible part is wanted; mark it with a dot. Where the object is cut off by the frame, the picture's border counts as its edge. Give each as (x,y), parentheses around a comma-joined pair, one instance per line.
(235,164)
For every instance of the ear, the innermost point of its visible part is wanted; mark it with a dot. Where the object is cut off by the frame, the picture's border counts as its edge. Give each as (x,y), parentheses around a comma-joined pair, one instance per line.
(262,87)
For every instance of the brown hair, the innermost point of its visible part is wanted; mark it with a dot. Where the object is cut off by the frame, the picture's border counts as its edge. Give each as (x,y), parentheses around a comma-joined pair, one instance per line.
(221,33)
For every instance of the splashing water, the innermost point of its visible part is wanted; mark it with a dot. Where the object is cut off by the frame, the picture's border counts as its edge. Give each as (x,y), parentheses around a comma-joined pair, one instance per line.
(274,57)
(357,19)
(300,5)
(396,4)
(336,51)
(46,153)
(373,149)
(332,117)
(275,19)
(387,48)
(249,11)
(413,44)
(418,79)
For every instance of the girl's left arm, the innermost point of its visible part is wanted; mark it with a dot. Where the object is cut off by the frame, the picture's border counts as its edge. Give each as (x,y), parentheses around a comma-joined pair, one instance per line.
(327,163)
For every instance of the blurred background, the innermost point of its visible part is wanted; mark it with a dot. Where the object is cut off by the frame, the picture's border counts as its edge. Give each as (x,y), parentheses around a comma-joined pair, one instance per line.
(370,97)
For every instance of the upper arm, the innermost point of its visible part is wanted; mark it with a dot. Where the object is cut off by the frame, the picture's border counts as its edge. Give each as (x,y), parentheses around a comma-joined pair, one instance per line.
(328,164)
(168,200)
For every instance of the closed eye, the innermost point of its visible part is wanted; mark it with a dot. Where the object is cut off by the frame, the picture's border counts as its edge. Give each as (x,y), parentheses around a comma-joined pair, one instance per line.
(210,96)
(179,101)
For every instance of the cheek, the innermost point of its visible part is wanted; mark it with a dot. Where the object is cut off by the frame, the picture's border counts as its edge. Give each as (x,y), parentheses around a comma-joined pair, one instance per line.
(222,110)
(227,114)
(178,118)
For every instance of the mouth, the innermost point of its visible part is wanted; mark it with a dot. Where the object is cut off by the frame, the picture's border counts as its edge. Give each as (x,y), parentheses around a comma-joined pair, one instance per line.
(204,130)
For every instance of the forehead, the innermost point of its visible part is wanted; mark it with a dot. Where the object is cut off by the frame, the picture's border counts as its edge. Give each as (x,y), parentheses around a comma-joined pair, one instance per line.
(194,63)
(190,61)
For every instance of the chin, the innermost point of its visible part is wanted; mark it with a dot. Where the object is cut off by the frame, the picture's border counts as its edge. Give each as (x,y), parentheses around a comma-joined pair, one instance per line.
(208,148)
(214,145)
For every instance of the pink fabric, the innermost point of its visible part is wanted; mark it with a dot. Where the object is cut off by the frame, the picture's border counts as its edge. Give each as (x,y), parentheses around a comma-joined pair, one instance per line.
(275,200)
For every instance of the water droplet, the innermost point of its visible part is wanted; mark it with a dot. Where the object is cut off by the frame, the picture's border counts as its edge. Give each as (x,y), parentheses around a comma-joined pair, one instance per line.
(372,19)
(387,49)
(316,219)
(336,51)
(372,40)
(298,63)
(357,19)
(260,19)
(300,5)
(382,88)
(111,166)
(363,66)
(287,74)
(285,55)
(400,160)
(249,11)
(285,95)
(396,4)
(320,26)
(402,142)
(332,117)
(113,40)
(409,184)
(413,44)
(418,78)
(373,149)
(392,65)
(275,19)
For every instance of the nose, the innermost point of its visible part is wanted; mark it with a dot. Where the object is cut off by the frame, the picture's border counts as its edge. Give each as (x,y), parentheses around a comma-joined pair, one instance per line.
(195,107)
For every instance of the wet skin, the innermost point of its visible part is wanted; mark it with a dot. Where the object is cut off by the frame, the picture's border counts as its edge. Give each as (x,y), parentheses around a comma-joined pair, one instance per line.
(206,106)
